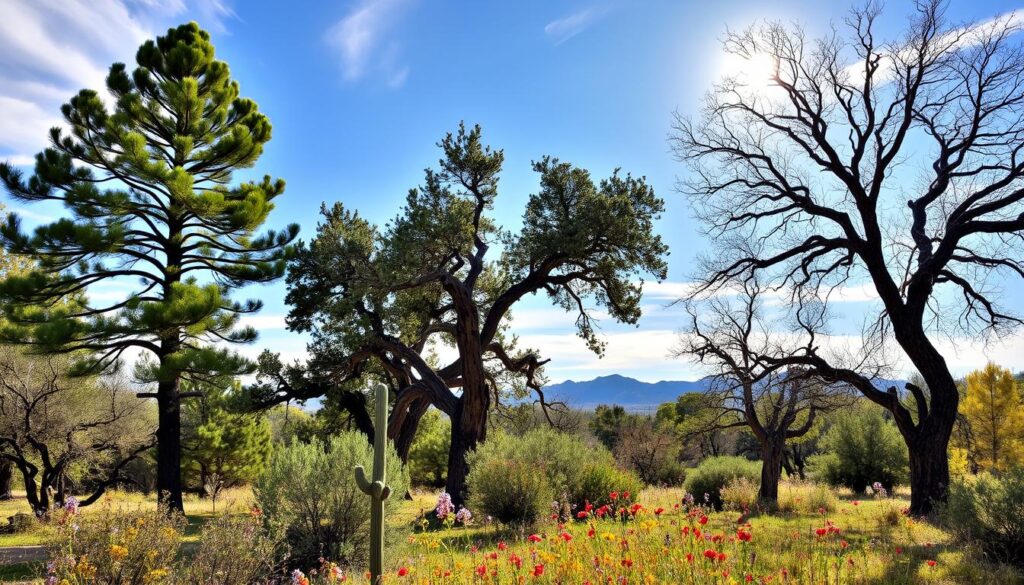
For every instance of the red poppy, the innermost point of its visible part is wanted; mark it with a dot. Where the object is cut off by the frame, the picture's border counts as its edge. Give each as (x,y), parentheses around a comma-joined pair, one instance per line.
(899,550)
(843,543)
(614,495)
(635,508)
(502,545)
(625,495)
(689,557)
(581,514)
(628,563)
(749,578)
(538,570)
(658,511)
(534,538)
(722,556)
(403,572)
(481,570)
(710,554)
(703,520)
(743,535)
(515,560)
(930,563)
(821,531)
(590,532)
(565,536)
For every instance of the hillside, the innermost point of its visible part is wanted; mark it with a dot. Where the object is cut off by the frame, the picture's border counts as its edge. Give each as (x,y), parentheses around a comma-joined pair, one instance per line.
(615,389)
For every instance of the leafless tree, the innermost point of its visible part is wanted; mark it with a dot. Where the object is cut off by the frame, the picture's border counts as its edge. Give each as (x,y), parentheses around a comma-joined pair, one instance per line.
(898,166)
(751,385)
(51,422)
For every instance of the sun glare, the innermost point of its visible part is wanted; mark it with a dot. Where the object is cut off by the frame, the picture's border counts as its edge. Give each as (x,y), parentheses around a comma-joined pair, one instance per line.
(754,71)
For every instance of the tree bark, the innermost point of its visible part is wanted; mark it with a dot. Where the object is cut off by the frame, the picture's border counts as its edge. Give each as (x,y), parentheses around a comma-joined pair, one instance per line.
(469,428)
(168,449)
(772,450)
(6,479)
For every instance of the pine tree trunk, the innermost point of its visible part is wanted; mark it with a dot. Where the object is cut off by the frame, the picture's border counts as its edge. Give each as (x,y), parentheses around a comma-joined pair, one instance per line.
(771,470)
(168,449)
(6,479)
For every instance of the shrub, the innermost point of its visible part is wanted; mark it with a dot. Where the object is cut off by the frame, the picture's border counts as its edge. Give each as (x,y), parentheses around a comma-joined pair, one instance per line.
(428,456)
(707,479)
(234,551)
(740,494)
(115,548)
(309,493)
(596,481)
(556,457)
(989,513)
(652,453)
(510,491)
(862,447)
(806,496)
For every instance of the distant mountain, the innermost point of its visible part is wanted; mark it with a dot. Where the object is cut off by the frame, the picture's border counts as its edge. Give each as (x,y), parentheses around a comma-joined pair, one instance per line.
(634,395)
(626,392)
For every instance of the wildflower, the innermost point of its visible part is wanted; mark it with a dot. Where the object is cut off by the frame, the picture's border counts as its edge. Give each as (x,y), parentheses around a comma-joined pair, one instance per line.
(502,545)
(534,538)
(931,563)
(614,495)
(628,563)
(444,506)
(821,531)
(71,505)
(402,572)
(581,514)
(721,556)
(625,495)
(856,503)
(538,570)
(118,552)
(843,543)
(702,520)
(879,489)
(515,560)
(899,550)
(299,578)
(635,508)
(743,535)
(463,516)
(481,570)
(565,536)
(659,511)
(710,554)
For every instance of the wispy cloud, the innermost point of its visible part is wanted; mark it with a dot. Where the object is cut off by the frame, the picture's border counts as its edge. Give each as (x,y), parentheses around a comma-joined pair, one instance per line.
(50,49)
(363,45)
(567,27)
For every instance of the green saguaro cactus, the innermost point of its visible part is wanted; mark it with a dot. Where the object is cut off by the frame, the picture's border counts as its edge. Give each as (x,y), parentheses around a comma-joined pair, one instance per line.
(376,489)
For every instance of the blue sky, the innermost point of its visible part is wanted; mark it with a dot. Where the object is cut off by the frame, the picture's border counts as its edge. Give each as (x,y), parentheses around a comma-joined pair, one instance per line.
(360,91)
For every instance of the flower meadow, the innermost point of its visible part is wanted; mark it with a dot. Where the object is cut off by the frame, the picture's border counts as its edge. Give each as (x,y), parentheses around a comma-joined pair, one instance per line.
(660,536)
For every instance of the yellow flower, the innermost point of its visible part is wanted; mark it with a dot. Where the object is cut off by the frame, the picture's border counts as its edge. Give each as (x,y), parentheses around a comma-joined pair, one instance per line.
(156,575)
(118,552)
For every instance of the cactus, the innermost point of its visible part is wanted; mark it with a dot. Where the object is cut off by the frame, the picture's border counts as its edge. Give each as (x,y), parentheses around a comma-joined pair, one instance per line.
(376,489)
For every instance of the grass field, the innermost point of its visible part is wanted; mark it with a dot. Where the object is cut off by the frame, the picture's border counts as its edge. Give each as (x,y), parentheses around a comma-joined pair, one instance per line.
(870,541)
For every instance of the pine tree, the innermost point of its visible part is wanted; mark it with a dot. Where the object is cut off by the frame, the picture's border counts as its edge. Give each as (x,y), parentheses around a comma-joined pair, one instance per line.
(153,212)
(994,412)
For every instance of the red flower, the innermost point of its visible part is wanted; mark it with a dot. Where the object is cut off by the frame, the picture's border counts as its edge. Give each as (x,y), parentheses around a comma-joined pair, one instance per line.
(635,508)
(534,538)
(628,563)
(843,543)
(899,550)
(722,556)
(590,532)
(930,563)
(743,535)
(538,570)
(581,514)
(588,507)
(625,495)
(749,578)
(689,557)
(403,572)
(565,536)
(614,495)
(821,531)
(856,503)
(502,545)
(703,520)
(515,560)
(658,511)
(710,554)
(481,570)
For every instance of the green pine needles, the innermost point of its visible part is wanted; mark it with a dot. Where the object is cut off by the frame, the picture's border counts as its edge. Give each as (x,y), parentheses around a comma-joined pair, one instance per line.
(152,212)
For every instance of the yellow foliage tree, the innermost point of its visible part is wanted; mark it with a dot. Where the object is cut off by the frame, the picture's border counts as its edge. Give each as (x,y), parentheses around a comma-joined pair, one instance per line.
(994,412)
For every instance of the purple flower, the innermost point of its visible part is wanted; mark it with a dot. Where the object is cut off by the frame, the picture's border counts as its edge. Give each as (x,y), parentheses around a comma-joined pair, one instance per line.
(71,505)
(444,506)
(463,516)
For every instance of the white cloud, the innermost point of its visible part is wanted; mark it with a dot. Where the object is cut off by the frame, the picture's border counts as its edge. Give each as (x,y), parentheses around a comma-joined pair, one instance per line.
(361,41)
(50,49)
(565,28)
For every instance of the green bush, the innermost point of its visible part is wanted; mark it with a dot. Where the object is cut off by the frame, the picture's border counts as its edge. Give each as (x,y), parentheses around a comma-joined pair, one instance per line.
(740,494)
(989,512)
(706,481)
(428,456)
(234,550)
(860,448)
(571,478)
(308,492)
(805,496)
(510,491)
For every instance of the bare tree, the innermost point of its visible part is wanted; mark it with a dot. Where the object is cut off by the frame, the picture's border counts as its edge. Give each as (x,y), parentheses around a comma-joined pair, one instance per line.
(892,165)
(51,422)
(751,386)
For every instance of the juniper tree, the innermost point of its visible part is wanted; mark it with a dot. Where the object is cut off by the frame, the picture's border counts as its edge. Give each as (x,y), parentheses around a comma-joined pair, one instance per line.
(153,211)
(383,294)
